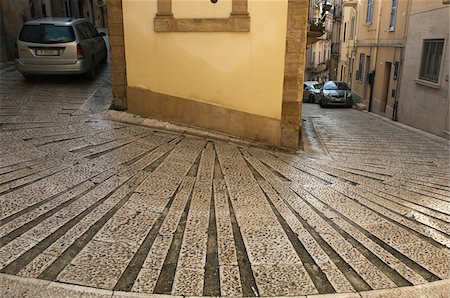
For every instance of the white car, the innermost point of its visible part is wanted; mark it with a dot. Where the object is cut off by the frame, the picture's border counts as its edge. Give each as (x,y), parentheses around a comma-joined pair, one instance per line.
(49,46)
(311,91)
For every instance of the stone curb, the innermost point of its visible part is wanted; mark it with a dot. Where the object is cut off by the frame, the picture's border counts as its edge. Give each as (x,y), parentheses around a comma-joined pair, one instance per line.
(16,286)
(125,117)
(410,128)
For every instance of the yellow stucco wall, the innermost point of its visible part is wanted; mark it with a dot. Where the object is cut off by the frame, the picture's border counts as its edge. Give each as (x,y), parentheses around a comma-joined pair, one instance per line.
(240,71)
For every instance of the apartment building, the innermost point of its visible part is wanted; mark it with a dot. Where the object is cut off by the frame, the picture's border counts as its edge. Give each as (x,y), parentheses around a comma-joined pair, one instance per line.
(319,44)
(423,100)
(348,35)
(380,46)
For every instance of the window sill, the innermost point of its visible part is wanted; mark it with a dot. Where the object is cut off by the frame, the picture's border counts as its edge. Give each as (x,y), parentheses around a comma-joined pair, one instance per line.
(428,84)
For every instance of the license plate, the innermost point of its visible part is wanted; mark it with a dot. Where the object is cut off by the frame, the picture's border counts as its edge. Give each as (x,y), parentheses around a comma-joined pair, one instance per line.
(47,52)
(337,99)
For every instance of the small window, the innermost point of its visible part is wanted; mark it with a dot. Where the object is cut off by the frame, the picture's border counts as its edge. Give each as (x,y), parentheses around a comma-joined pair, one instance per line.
(369,11)
(393,15)
(352,29)
(430,66)
(359,73)
(345,32)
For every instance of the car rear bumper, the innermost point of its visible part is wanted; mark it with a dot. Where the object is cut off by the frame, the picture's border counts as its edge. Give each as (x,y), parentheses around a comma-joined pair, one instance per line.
(81,66)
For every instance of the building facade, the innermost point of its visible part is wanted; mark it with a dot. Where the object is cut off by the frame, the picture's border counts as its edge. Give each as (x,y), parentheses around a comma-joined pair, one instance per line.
(320,60)
(424,95)
(217,65)
(348,35)
(380,46)
(335,38)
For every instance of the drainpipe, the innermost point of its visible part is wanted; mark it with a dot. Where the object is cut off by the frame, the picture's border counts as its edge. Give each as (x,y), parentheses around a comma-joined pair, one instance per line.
(400,67)
(375,60)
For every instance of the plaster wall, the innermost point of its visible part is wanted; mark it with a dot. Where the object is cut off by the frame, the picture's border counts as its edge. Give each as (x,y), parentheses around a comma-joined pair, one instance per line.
(240,71)
(421,106)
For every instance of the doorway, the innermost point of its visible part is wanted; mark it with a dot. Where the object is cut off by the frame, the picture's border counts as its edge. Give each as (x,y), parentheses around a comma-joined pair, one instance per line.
(368,83)
(386,82)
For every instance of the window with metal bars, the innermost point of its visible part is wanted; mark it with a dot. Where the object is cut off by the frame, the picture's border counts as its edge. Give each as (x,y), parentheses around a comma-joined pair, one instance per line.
(393,15)
(431,60)
(369,11)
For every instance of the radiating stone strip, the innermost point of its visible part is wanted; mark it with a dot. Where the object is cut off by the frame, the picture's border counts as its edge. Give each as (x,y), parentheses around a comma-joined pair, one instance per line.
(262,234)
(192,259)
(24,222)
(425,254)
(154,261)
(230,281)
(405,216)
(55,226)
(337,279)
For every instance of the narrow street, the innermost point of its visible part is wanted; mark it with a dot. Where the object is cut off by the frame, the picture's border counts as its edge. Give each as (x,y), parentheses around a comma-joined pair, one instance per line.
(86,200)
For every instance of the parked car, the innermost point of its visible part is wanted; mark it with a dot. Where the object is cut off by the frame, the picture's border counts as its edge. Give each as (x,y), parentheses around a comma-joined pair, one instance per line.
(335,93)
(49,46)
(311,90)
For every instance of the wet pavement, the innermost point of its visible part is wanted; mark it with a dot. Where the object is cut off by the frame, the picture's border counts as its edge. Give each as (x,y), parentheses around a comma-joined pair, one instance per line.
(90,201)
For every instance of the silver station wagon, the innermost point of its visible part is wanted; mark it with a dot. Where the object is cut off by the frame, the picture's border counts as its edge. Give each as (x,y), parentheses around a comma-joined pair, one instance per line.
(49,46)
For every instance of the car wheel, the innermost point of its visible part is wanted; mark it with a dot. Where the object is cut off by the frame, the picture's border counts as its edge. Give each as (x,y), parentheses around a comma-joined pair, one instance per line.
(105,58)
(90,75)
(312,99)
(322,105)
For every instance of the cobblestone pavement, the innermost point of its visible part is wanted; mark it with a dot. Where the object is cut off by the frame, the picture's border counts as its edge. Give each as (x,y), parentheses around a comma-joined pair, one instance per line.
(89,201)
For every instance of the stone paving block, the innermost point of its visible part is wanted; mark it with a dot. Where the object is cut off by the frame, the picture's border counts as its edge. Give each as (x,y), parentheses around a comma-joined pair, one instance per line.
(230,281)
(188,282)
(58,290)
(283,280)
(12,286)
(37,266)
(128,226)
(158,252)
(92,268)
(14,249)
(146,280)
(438,289)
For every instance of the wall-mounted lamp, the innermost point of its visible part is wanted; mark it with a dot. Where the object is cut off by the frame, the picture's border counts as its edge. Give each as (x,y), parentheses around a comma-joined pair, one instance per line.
(214,1)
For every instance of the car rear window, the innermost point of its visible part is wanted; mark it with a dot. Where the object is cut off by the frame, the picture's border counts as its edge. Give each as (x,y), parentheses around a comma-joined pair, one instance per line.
(44,33)
(336,86)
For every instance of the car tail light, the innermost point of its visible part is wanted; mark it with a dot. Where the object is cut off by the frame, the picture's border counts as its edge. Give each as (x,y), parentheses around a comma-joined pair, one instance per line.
(16,51)
(80,53)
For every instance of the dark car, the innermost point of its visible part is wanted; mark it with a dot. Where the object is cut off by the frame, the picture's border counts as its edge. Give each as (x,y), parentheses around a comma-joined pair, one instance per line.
(50,46)
(335,93)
